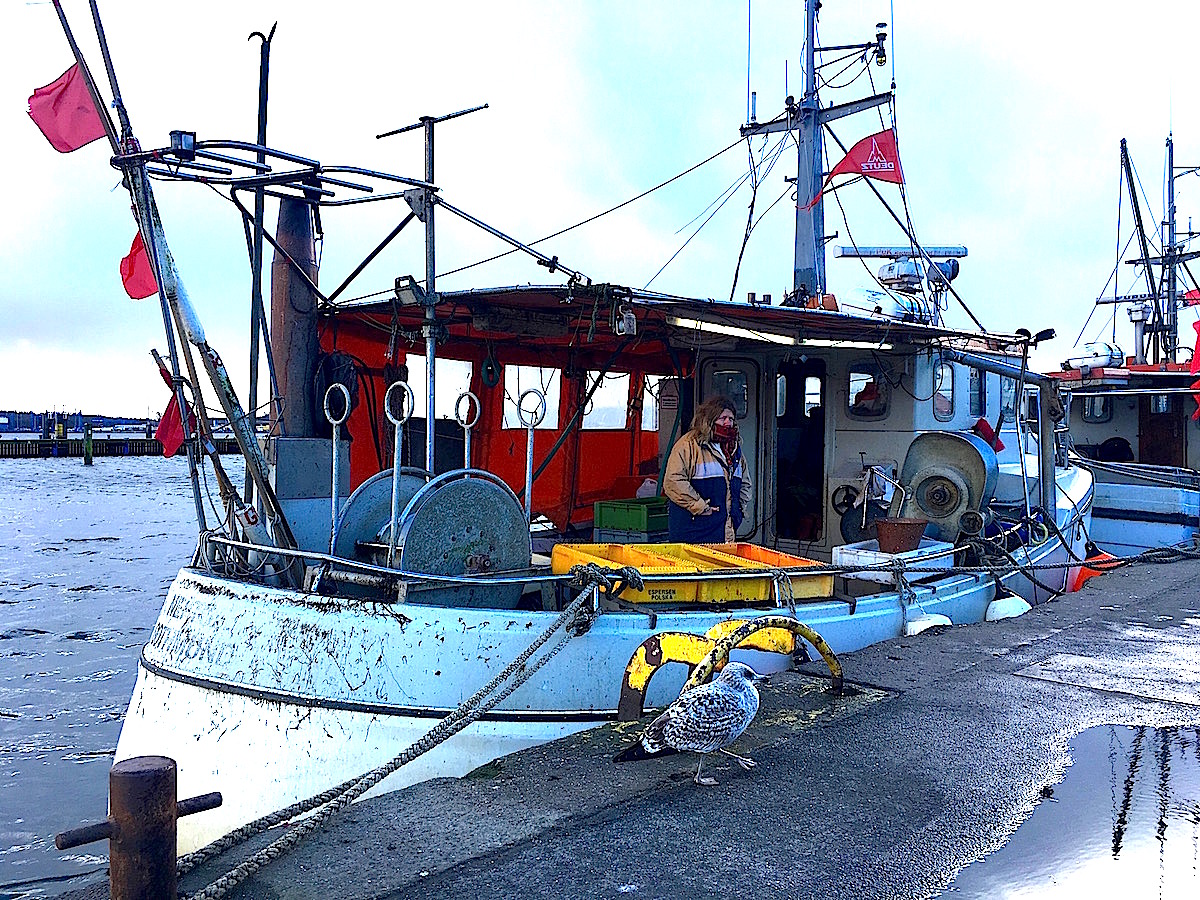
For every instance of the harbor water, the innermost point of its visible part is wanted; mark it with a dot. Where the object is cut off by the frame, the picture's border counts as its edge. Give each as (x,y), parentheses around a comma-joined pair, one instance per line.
(86,556)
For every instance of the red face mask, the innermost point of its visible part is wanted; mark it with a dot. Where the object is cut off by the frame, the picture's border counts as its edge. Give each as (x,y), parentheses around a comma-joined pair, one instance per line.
(723,432)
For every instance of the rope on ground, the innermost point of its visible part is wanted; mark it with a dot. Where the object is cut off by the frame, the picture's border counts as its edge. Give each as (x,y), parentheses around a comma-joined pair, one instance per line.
(575,619)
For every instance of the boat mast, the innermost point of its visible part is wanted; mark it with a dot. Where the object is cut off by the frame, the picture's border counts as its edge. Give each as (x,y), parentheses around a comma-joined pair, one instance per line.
(1171,313)
(808,118)
(809,277)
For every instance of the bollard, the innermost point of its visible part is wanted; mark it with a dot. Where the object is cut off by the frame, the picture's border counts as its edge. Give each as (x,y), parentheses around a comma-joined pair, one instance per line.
(141,828)
(87,443)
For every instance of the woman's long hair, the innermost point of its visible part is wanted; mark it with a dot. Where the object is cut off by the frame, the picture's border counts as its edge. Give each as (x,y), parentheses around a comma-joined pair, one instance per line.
(706,416)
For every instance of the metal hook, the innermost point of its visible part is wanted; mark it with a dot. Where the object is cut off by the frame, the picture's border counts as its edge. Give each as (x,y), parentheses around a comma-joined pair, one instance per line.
(406,404)
(467,421)
(336,422)
(329,416)
(406,410)
(535,419)
(535,415)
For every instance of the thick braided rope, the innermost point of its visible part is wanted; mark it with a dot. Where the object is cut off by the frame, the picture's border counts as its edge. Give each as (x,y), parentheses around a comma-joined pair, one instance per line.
(215,849)
(285,844)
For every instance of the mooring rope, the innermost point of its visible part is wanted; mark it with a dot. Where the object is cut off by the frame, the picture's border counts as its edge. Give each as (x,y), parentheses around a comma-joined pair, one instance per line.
(575,619)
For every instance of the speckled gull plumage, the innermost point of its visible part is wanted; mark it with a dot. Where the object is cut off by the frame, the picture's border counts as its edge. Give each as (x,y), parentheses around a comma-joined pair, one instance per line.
(705,719)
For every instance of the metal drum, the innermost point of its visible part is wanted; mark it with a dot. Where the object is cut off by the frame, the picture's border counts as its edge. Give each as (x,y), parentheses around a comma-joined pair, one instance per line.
(366,516)
(459,525)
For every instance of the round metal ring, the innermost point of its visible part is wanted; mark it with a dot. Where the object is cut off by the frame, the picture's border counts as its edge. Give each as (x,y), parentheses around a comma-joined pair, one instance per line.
(465,423)
(406,402)
(329,416)
(535,415)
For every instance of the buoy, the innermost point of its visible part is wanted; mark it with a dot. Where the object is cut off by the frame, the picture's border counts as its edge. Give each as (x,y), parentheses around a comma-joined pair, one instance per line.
(1097,559)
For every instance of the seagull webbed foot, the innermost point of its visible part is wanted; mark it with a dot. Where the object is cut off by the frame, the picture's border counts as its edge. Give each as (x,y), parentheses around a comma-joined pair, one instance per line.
(707,781)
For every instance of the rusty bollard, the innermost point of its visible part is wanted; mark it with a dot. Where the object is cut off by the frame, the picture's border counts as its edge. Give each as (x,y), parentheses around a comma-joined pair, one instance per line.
(141,828)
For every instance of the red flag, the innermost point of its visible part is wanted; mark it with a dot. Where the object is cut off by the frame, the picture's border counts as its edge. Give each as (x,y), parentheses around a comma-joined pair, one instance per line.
(136,272)
(875,157)
(170,426)
(1191,298)
(1195,366)
(65,113)
(1196,397)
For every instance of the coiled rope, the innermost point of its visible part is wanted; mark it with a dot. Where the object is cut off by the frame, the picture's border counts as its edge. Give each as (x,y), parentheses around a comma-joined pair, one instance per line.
(575,620)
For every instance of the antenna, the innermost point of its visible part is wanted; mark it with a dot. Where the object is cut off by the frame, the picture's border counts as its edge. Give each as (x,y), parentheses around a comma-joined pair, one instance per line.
(749,111)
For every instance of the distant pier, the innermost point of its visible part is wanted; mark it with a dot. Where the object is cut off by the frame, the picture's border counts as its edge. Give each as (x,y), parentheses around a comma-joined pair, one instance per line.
(46,448)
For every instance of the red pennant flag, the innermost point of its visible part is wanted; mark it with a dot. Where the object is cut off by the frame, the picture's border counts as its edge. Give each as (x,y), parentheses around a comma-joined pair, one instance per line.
(875,157)
(170,426)
(65,113)
(136,272)
(1191,298)
(1195,366)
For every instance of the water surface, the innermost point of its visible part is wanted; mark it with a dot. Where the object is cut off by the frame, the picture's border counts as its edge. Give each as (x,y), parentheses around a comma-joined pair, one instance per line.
(86,556)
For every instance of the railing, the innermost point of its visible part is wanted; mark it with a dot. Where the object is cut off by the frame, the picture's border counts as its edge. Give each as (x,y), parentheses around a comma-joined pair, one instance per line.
(43,449)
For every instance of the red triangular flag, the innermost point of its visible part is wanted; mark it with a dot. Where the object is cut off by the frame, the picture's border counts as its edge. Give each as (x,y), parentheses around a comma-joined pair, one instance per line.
(1195,366)
(136,272)
(65,113)
(875,156)
(170,428)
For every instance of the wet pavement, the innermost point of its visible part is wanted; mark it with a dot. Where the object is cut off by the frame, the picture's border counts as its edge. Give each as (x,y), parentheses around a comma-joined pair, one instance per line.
(947,743)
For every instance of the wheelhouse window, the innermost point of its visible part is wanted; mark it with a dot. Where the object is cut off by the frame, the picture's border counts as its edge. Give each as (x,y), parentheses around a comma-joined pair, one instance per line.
(978,391)
(867,392)
(517,380)
(731,384)
(609,404)
(453,377)
(1097,409)
(651,392)
(943,392)
(1160,403)
(1008,398)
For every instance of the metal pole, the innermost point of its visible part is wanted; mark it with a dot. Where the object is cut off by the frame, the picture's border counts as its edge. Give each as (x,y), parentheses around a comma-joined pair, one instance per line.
(257,317)
(151,248)
(535,419)
(1171,336)
(336,421)
(398,420)
(467,421)
(810,224)
(430,289)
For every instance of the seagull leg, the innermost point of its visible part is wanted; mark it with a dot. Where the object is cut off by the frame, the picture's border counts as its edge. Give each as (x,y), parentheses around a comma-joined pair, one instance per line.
(744,761)
(707,782)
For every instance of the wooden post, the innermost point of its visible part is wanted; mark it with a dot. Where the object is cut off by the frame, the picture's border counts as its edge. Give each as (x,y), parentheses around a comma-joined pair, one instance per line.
(87,443)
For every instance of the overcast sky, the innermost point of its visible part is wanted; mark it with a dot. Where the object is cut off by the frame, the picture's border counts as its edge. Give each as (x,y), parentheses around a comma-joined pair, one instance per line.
(1009,118)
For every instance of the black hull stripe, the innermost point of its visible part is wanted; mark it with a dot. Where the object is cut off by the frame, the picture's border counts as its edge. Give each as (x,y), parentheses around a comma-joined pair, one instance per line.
(1155,518)
(378,709)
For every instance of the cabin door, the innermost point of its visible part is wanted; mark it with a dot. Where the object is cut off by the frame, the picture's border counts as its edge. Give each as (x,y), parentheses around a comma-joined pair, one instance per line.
(738,379)
(1162,430)
(800,442)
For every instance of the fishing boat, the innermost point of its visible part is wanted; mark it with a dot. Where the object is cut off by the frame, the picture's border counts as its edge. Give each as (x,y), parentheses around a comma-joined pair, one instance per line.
(1131,417)
(384,566)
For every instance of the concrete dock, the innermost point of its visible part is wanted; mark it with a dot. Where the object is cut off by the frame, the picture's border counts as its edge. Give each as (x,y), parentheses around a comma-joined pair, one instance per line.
(940,750)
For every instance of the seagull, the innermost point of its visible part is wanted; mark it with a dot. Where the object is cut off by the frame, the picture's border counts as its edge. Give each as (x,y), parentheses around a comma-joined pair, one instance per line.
(703,719)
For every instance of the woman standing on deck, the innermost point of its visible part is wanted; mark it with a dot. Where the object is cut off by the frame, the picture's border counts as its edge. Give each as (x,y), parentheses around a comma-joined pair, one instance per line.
(705,477)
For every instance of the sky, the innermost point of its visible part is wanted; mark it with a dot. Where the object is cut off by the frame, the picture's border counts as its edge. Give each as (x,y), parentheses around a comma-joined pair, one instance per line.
(1009,121)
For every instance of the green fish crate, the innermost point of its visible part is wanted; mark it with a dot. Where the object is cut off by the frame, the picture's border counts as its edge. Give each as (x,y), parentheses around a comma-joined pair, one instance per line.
(644,514)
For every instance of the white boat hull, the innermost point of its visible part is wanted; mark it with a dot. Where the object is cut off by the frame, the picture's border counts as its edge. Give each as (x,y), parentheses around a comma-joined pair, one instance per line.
(271,695)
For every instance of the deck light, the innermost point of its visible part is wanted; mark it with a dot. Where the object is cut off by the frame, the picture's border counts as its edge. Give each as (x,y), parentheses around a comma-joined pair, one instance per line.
(183,145)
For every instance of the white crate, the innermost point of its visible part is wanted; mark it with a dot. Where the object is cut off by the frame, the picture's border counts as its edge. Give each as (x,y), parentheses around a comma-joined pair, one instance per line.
(867,553)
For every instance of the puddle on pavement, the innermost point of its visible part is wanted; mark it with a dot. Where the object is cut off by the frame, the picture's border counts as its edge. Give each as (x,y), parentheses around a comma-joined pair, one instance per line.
(1125,822)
